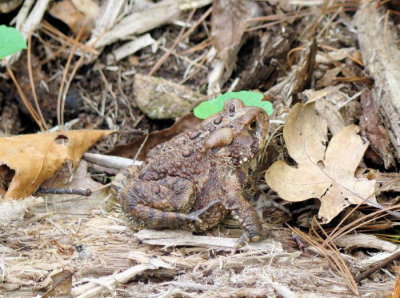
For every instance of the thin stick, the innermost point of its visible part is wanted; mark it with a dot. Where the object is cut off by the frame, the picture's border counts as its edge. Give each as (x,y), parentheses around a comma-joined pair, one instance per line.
(65,191)
(32,83)
(378,266)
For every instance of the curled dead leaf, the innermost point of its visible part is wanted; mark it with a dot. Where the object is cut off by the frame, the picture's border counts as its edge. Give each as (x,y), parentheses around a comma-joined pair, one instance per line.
(76,13)
(326,173)
(141,146)
(28,160)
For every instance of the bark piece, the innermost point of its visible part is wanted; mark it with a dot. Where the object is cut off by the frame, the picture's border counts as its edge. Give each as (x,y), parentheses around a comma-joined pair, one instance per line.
(372,128)
(381,57)
(298,78)
(266,59)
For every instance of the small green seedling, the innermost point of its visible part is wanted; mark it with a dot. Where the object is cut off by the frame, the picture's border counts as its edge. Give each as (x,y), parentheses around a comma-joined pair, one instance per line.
(249,98)
(11,41)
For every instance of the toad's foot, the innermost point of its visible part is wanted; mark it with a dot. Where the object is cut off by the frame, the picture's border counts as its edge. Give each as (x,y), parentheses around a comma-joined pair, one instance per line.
(254,236)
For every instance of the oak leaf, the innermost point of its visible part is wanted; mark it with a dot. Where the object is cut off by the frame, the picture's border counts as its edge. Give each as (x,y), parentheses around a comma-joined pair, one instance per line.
(28,160)
(326,173)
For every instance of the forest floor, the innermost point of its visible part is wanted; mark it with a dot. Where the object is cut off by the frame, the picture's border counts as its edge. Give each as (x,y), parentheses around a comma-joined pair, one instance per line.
(138,68)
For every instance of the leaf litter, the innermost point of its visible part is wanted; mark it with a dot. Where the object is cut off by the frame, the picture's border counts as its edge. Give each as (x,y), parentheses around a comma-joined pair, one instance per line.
(104,256)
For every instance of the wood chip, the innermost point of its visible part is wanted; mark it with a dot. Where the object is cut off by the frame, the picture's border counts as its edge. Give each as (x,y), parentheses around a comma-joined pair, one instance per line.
(170,238)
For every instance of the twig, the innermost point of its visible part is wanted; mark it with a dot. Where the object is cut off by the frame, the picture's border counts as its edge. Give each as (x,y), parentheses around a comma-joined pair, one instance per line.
(65,191)
(110,161)
(378,266)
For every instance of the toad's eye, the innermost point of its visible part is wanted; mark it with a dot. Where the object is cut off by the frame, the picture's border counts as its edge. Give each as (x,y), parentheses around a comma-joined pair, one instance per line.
(253,125)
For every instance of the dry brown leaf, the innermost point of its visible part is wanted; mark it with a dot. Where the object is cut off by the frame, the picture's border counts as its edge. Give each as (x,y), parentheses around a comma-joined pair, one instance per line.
(229,23)
(34,158)
(145,143)
(326,173)
(76,13)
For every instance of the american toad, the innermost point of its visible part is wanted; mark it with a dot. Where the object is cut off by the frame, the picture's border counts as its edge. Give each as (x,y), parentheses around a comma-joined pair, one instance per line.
(193,180)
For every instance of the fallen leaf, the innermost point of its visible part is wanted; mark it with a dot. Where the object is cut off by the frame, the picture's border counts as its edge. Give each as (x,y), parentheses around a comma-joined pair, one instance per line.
(230,20)
(34,158)
(326,173)
(229,23)
(329,78)
(145,143)
(76,14)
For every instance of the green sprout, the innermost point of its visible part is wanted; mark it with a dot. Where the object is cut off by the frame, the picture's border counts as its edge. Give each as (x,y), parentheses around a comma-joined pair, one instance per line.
(249,98)
(11,41)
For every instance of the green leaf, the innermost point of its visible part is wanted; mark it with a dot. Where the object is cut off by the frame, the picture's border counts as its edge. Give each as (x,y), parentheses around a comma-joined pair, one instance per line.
(11,41)
(249,98)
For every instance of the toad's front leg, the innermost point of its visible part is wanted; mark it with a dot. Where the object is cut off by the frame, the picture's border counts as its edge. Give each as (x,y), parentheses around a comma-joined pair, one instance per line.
(243,211)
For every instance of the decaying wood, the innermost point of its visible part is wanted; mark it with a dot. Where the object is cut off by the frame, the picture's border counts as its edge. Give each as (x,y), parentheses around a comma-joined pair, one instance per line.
(381,56)
(12,210)
(175,238)
(108,283)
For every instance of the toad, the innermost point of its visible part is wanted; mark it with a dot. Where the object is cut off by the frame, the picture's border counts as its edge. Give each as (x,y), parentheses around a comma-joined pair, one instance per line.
(192,181)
